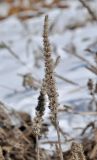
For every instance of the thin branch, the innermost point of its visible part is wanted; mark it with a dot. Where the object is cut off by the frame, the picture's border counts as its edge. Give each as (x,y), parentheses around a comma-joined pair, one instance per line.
(65,79)
(90,66)
(75,112)
(84,3)
(13,53)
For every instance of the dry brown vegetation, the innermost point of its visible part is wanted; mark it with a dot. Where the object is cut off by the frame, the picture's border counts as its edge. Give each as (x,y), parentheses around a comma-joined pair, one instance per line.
(18,142)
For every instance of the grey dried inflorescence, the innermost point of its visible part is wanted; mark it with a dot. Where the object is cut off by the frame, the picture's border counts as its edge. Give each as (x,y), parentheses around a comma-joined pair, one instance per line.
(50,83)
(37,122)
(77,152)
(49,72)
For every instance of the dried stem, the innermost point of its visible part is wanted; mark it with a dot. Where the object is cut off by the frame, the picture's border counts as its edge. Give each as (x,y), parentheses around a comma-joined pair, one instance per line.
(59,139)
(89,9)
(66,80)
(1,154)
(50,83)
(37,148)
(77,152)
(37,122)
(13,53)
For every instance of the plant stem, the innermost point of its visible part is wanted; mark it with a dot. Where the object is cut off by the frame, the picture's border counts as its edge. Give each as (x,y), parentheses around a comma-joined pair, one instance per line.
(59,139)
(37,148)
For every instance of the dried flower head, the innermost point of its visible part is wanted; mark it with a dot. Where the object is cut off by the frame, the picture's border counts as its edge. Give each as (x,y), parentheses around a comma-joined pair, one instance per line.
(77,152)
(37,122)
(49,72)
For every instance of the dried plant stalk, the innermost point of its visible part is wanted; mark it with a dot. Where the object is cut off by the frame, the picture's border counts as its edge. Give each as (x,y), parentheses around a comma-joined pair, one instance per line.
(37,122)
(84,3)
(1,154)
(13,53)
(50,82)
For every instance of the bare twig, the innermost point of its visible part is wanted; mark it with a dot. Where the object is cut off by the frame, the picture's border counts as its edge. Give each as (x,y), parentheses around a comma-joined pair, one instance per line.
(91,124)
(84,3)
(90,66)
(51,142)
(13,53)
(75,112)
(65,79)
(1,154)
(9,88)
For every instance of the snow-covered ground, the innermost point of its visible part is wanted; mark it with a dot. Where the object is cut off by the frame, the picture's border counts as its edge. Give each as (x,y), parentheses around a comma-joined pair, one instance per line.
(71,30)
